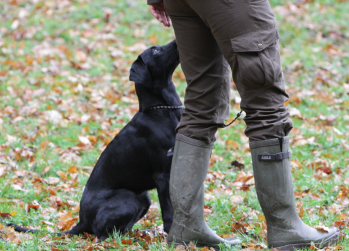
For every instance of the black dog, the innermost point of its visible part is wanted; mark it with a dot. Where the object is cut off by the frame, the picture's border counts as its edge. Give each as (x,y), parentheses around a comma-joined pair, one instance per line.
(135,161)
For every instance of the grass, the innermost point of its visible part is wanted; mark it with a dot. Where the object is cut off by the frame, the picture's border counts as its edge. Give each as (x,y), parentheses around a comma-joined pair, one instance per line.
(62,58)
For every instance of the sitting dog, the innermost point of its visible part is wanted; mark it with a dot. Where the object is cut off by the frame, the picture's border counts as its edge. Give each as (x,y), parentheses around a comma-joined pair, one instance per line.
(136,160)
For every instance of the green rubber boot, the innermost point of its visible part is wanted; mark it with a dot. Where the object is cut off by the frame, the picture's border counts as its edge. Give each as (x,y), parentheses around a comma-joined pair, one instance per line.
(272,172)
(189,168)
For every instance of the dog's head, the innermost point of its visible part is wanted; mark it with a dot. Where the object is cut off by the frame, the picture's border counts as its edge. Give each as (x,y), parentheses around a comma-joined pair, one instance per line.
(152,74)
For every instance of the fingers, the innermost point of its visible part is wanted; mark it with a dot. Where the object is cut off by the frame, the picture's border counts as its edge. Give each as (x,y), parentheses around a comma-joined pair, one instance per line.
(168,19)
(160,14)
(153,11)
(160,17)
(165,19)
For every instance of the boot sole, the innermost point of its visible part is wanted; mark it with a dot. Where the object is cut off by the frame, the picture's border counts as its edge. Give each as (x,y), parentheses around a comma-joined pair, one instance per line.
(330,240)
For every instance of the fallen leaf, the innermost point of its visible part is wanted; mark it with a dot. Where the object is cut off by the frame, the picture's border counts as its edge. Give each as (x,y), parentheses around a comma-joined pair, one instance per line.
(53,180)
(46,170)
(237,199)
(73,169)
(232,144)
(239,227)
(44,144)
(5,215)
(127,242)
(237,164)
(84,140)
(322,228)
(33,205)
(63,176)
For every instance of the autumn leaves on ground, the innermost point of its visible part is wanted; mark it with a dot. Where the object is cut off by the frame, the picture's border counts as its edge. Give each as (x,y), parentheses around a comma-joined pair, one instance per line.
(65,94)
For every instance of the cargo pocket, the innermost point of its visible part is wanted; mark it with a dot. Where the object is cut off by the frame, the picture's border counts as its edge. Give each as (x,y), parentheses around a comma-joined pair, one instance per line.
(257,58)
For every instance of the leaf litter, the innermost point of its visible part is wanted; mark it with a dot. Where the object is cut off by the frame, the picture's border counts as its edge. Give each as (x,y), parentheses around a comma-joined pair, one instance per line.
(65,94)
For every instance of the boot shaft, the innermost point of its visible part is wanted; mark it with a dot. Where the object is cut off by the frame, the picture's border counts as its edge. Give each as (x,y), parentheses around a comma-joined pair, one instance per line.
(273,178)
(188,172)
(189,168)
(274,186)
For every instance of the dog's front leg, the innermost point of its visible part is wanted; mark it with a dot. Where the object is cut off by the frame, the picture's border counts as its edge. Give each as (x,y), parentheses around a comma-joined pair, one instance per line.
(162,181)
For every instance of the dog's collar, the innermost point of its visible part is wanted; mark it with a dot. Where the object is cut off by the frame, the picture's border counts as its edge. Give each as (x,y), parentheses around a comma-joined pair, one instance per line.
(166,107)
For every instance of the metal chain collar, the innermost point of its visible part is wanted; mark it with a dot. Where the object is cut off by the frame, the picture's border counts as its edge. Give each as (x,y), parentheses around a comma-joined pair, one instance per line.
(166,107)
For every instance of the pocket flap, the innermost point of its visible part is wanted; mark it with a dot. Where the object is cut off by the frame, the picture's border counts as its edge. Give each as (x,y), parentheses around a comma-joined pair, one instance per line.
(255,41)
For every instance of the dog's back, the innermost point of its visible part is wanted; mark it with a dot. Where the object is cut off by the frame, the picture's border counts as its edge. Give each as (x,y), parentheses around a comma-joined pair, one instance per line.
(137,152)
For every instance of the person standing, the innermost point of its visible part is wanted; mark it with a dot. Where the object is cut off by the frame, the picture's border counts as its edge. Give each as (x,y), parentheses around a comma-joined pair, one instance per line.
(213,35)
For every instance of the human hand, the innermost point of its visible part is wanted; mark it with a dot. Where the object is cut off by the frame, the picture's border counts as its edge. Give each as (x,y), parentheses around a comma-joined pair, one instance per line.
(159,12)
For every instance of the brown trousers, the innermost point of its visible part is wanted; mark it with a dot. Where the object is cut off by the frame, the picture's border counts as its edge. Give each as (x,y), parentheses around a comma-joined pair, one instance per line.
(213,35)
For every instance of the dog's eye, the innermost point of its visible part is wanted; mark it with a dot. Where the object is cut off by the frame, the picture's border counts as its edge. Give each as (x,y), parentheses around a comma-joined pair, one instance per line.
(155,51)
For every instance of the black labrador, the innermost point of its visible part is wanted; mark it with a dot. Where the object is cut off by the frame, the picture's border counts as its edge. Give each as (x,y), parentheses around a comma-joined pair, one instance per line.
(136,160)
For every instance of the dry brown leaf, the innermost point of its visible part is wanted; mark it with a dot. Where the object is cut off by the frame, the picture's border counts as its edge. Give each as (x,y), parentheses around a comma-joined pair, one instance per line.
(52,192)
(215,158)
(232,144)
(76,209)
(63,176)
(48,223)
(127,242)
(325,169)
(191,246)
(237,199)
(153,213)
(237,164)
(321,228)
(5,215)
(239,227)
(46,170)
(243,177)
(53,180)
(44,144)
(92,139)
(33,205)
(73,169)
(180,248)
(65,221)
(207,211)
(218,175)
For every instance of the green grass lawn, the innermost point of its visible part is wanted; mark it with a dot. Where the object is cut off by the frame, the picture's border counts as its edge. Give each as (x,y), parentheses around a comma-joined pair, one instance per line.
(65,93)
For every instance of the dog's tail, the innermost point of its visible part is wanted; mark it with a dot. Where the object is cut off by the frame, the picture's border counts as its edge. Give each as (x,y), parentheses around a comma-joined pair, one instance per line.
(78,229)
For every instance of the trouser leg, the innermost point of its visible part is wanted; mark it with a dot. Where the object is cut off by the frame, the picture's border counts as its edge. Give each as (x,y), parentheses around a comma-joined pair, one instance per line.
(207,73)
(206,108)
(246,34)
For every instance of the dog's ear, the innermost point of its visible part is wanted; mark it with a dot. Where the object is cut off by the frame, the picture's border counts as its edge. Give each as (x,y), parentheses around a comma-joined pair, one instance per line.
(139,73)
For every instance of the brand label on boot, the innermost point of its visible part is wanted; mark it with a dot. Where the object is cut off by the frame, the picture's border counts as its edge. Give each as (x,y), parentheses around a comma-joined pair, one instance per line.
(274,157)
(267,157)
